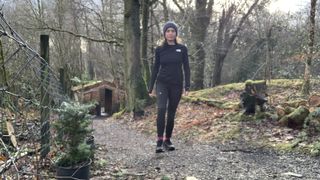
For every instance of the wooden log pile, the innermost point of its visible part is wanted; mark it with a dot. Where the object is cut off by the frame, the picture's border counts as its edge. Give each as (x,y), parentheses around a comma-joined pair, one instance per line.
(300,113)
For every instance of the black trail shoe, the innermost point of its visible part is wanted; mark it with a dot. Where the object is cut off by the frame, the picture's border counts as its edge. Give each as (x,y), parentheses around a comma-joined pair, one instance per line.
(159,147)
(168,145)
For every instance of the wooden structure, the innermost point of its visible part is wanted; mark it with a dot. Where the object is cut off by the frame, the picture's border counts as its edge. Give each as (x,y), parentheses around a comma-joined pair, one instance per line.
(104,93)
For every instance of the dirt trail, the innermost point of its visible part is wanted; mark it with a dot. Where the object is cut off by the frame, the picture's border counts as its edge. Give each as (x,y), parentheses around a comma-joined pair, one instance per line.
(130,155)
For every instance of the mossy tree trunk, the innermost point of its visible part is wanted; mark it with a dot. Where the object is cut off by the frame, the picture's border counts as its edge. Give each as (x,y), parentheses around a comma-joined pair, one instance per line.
(145,4)
(136,89)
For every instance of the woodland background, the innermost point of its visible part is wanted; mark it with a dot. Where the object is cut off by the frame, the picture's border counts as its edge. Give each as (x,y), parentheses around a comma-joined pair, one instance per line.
(228,41)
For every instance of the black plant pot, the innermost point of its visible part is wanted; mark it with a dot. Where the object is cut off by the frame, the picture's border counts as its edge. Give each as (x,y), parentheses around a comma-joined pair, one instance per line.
(69,173)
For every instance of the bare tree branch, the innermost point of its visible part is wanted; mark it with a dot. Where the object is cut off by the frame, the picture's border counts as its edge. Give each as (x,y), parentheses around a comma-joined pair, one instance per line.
(210,6)
(244,18)
(153,1)
(178,5)
(115,42)
(165,10)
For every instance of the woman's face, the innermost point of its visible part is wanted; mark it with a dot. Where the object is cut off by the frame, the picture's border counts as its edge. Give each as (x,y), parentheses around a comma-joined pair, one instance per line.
(170,34)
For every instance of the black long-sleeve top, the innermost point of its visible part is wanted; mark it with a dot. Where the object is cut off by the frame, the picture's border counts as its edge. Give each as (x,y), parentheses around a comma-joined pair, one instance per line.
(167,68)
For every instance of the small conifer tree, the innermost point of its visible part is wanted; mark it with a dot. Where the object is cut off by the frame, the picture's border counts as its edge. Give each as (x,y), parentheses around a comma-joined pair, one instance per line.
(72,129)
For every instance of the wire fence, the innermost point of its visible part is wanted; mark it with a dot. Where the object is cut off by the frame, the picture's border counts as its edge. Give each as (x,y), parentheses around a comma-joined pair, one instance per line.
(26,82)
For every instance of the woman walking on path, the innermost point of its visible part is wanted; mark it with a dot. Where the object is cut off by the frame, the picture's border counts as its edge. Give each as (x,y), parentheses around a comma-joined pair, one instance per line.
(170,57)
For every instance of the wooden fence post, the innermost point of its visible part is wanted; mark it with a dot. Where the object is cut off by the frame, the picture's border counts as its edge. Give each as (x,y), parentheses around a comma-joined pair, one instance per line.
(45,99)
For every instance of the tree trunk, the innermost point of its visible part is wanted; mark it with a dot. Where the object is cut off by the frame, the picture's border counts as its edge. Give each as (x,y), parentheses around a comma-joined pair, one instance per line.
(64,77)
(107,15)
(89,59)
(221,51)
(306,84)
(78,60)
(144,40)
(135,86)
(220,56)
(165,10)
(61,36)
(152,39)
(40,12)
(268,58)
(199,27)
(224,42)
(3,74)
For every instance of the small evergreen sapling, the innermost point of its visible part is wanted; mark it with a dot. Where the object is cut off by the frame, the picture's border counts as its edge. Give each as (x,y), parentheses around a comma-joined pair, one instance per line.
(72,129)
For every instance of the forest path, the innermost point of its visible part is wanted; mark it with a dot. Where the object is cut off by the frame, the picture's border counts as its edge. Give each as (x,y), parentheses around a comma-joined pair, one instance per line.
(125,153)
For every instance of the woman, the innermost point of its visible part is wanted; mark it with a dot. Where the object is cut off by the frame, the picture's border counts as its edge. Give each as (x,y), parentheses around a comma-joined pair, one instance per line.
(168,75)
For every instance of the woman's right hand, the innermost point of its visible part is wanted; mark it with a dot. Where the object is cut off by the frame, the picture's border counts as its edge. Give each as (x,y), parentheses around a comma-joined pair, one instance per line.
(152,94)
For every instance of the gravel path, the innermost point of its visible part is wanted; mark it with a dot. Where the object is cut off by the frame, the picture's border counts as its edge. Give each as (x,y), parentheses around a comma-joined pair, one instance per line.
(130,155)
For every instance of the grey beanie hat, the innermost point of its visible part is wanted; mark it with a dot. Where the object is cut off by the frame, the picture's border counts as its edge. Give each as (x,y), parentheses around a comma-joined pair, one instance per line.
(170,24)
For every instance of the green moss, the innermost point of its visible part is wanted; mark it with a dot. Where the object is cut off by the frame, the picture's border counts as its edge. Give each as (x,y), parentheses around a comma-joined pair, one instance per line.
(284,147)
(289,146)
(218,90)
(230,134)
(238,117)
(250,82)
(289,110)
(165,177)
(231,105)
(315,148)
(261,115)
(120,173)
(101,163)
(218,93)
(285,83)
(274,117)
(210,102)
(119,114)
(222,90)
(190,98)
(243,117)
(296,102)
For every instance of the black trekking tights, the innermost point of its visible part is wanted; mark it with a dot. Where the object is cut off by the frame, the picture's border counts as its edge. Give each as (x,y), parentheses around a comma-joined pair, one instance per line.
(168,97)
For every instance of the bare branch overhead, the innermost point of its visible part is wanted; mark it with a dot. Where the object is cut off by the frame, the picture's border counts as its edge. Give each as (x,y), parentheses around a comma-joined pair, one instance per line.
(178,5)
(114,42)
